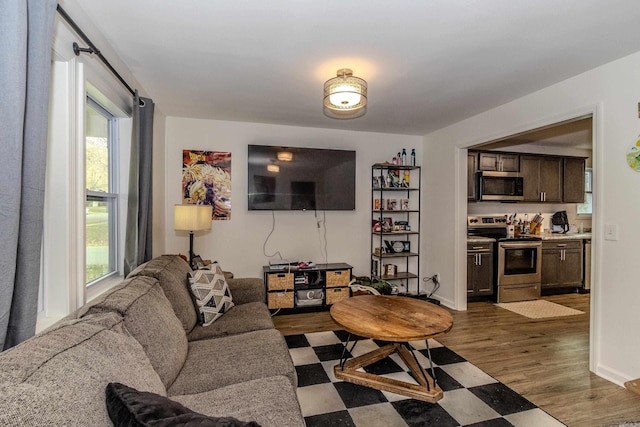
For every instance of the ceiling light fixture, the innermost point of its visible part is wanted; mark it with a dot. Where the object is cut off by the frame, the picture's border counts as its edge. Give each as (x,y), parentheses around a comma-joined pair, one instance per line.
(285,156)
(345,96)
(273,168)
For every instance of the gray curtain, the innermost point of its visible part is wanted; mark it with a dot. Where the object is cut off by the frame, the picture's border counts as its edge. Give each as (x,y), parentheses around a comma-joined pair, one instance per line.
(139,209)
(25,56)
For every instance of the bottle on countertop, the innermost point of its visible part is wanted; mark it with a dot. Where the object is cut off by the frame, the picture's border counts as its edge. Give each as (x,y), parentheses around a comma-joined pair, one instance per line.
(399,159)
(404,157)
(413,157)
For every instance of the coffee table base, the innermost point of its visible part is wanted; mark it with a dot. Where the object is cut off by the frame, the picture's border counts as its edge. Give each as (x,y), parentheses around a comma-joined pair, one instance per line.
(426,390)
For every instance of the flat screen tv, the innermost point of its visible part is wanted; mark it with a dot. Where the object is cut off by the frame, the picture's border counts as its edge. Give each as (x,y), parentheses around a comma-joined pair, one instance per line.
(293,178)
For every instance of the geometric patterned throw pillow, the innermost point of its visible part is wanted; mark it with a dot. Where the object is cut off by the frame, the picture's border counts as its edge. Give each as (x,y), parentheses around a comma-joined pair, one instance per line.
(211,292)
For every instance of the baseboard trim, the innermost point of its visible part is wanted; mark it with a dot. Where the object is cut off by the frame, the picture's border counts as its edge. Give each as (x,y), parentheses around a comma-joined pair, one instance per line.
(612,375)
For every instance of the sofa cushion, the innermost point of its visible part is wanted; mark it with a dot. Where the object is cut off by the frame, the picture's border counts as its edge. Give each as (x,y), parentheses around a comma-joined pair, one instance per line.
(171,271)
(149,318)
(222,361)
(243,318)
(247,289)
(272,402)
(58,377)
(129,407)
(211,293)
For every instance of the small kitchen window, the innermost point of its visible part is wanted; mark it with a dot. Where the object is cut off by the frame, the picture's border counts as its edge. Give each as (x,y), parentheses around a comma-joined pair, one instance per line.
(586,208)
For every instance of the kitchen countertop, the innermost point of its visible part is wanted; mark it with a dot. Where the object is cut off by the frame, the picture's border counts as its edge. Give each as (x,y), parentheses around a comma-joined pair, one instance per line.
(543,236)
(567,236)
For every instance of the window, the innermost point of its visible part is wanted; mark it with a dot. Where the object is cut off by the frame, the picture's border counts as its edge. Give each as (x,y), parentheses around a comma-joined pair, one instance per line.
(586,208)
(101,210)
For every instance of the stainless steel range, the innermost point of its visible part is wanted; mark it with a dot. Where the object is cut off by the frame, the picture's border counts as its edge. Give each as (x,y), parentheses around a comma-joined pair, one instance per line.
(518,261)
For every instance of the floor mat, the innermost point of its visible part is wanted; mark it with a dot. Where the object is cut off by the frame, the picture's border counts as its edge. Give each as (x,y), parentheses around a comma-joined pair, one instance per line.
(539,309)
(471,397)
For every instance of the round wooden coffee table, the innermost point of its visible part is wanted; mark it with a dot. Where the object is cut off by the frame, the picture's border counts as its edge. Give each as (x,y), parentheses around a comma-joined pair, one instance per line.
(397,320)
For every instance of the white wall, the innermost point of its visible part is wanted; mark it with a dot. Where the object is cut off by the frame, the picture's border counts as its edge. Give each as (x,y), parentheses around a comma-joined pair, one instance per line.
(238,243)
(610,92)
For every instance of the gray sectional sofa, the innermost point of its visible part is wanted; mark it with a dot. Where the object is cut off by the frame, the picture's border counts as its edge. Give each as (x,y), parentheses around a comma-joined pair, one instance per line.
(144,334)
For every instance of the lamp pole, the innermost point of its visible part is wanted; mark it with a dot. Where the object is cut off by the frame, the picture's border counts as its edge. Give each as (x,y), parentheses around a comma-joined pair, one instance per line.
(191,254)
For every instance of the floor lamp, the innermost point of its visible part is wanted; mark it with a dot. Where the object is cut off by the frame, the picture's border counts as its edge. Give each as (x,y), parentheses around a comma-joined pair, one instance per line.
(192,218)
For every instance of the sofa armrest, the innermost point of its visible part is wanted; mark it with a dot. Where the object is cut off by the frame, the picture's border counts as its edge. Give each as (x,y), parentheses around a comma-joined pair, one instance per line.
(248,289)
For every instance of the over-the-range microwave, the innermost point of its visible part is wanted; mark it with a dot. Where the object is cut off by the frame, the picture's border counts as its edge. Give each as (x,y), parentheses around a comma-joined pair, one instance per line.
(500,186)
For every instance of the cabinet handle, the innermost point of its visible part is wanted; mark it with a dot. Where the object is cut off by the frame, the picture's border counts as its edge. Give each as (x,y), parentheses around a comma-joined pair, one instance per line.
(479,259)
(478,247)
(561,245)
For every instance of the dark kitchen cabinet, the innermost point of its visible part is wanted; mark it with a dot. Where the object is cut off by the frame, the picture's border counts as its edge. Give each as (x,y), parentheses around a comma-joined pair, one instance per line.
(561,263)
(573,180)
(542,177)
(472,167)
(479,269)
(502,162)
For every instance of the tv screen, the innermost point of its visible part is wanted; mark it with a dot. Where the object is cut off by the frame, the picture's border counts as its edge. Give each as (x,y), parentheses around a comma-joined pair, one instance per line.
(292,178)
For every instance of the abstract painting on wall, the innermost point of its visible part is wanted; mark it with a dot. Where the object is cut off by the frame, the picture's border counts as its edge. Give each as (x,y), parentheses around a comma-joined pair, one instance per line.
(206,180)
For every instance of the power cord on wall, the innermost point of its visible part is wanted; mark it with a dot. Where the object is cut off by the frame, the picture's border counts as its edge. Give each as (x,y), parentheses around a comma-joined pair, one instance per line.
(264,245)
(436,286)
(323,244)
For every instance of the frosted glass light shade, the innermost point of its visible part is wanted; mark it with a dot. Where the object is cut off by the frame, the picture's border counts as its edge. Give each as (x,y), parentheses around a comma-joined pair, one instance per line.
(192,217)
(345,96)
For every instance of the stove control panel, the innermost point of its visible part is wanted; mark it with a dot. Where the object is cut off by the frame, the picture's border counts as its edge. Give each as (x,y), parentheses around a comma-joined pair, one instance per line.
(487,221)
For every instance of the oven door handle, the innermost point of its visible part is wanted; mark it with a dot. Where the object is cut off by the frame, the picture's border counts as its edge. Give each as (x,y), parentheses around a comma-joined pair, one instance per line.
(520,245)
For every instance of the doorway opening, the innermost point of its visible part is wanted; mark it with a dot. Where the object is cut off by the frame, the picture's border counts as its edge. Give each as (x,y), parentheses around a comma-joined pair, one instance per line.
(574,137)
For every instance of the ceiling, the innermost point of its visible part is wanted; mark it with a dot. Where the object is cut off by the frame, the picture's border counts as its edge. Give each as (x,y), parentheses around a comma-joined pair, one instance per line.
(429,63)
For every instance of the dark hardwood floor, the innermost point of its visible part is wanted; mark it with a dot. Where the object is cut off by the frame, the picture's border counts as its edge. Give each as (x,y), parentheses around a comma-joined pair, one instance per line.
(546,361)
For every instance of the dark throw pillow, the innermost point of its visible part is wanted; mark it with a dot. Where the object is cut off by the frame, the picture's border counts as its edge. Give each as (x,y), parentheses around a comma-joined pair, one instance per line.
(128,407)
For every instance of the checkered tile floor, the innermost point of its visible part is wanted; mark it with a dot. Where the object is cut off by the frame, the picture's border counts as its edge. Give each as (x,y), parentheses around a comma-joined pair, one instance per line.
(471,397)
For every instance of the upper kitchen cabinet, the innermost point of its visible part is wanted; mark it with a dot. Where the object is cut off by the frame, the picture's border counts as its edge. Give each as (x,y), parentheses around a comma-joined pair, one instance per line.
(501,162)
(546,178)
(542,176)
(472,167)
(574,179)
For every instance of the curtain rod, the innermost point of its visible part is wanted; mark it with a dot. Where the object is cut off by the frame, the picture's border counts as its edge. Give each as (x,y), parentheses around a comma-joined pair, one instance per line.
(92,48)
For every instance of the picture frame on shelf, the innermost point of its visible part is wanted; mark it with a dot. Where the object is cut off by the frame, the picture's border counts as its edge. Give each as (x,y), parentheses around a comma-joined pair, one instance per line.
(377,182)
(402,225)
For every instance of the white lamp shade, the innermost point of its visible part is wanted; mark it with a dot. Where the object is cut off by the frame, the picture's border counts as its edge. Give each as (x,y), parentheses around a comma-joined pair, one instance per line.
(192,217)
